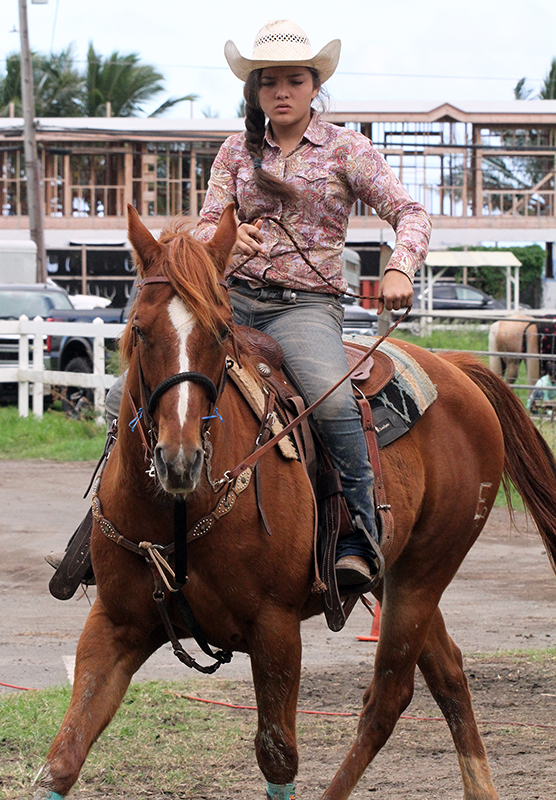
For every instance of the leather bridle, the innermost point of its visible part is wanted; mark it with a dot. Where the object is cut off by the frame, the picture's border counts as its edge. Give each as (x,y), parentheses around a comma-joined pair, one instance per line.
(149,402)
(150,399)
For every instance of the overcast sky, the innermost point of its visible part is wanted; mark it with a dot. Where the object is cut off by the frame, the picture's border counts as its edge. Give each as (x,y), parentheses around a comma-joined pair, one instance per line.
(402,50)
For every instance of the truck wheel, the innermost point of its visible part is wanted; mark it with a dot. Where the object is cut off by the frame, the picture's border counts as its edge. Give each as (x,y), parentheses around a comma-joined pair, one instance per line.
(75,399)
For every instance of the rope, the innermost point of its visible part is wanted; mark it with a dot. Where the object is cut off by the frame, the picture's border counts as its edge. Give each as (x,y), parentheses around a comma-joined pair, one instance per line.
(325,713)
(356,714)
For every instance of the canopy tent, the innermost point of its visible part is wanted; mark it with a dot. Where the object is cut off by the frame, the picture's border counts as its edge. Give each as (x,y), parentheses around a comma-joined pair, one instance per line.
(437,262)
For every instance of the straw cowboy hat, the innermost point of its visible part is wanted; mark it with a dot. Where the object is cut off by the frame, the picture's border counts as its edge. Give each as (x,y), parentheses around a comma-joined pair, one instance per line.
(282,43)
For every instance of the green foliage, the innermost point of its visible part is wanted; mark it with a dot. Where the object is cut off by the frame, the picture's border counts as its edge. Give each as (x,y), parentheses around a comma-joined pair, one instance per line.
(548,91)
(55,437)
(61,90)
(493,281)
(465,339)
(119,80)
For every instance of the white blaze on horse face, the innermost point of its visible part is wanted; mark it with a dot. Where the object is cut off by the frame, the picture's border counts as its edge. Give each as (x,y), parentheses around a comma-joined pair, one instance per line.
(184,322)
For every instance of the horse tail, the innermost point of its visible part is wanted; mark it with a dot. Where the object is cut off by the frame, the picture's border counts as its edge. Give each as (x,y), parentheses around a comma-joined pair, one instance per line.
(529,463)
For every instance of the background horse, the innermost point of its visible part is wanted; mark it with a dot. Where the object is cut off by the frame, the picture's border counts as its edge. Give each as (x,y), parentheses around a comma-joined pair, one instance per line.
(515,334)
(249,590)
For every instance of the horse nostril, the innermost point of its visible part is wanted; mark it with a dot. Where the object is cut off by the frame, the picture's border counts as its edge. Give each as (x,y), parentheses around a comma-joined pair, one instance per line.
(160,462)
(197,464)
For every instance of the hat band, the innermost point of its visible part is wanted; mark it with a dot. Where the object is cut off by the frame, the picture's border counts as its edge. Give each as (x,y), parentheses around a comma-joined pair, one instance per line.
(281,37)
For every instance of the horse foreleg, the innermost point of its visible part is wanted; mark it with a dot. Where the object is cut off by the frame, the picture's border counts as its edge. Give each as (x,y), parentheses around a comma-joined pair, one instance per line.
(275,650)
(442,667)
(107,656)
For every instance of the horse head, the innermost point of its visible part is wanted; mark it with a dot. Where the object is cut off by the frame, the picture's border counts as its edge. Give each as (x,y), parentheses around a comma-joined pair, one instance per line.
(176,342)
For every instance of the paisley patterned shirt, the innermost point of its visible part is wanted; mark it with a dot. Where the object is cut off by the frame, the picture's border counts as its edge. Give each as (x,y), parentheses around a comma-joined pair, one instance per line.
(332,167)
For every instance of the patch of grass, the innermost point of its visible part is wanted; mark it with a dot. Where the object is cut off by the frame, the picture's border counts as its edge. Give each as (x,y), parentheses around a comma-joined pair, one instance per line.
(157,743)
(465,339)
(55,437)
(544,657)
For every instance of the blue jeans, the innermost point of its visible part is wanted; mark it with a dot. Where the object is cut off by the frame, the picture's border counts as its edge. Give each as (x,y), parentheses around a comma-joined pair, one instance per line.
(308,326)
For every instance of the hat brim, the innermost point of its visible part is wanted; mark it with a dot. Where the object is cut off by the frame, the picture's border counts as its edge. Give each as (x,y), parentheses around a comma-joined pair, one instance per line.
(325,61)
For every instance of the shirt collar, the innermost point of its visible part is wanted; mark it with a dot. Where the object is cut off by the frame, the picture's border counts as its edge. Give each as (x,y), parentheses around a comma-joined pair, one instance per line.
(314,132)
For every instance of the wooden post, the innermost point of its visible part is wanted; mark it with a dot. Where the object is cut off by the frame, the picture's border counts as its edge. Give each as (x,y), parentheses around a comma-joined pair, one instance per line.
(23,386)
(35,200)
(99,369)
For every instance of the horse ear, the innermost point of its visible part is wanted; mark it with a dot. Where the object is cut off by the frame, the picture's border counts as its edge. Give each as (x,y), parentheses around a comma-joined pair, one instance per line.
(221,244)
(142,241)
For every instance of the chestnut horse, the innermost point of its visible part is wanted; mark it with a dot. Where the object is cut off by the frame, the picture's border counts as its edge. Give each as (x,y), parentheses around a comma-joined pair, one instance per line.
(249,590)
(514,334)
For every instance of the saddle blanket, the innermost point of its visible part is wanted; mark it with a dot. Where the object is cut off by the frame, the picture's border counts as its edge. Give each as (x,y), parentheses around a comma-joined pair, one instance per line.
(404,400)
(396,408)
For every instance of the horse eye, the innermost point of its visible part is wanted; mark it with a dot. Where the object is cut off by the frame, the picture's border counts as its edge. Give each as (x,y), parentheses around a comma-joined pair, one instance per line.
(224,334)
(139,333)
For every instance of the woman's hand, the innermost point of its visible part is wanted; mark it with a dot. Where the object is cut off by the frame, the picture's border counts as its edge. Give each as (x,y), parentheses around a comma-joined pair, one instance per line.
(394,292)
(249,239)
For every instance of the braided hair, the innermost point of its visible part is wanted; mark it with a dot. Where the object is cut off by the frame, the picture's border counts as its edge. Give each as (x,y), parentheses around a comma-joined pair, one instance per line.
(254,137)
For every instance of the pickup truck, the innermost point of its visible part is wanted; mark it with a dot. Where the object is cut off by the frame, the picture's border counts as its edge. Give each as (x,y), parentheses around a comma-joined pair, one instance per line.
(68,353)
(75,353)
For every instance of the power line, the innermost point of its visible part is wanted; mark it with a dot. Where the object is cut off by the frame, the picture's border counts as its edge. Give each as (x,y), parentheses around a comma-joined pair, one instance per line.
(207,67)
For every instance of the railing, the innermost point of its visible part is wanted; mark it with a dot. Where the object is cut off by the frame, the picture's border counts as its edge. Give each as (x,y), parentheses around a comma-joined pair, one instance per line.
(518,203)
(32,334)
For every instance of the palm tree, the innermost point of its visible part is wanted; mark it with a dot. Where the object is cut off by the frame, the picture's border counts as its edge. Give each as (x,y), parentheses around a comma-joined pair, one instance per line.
(548,89)
(57,83)
(61,91)
(59,88)
(124,83)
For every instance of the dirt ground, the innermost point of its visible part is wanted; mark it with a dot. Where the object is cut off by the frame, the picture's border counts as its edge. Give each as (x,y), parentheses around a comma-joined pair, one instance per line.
(503,599)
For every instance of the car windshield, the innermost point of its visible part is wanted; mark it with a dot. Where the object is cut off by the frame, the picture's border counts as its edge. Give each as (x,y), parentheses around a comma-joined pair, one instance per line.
(14,303)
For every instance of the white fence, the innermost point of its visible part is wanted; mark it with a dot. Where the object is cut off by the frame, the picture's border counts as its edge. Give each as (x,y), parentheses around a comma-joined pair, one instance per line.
(32,335)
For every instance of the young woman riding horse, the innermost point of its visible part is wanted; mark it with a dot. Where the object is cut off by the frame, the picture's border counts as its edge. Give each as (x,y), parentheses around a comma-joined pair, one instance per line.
(294,182)
(248,590)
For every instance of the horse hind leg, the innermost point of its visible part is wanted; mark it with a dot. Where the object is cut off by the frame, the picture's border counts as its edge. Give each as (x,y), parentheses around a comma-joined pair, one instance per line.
(441,664)
(496,363)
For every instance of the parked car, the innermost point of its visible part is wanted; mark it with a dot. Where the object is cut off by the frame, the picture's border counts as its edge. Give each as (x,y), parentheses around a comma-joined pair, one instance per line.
(31,299)
(358,319)
(457,296)
(66,353)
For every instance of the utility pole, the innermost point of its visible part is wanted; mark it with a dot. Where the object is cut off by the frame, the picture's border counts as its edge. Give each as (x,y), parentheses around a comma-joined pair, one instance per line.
(35,201)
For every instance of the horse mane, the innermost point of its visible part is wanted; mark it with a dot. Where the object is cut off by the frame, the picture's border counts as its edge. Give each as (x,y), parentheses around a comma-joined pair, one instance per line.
(194,278)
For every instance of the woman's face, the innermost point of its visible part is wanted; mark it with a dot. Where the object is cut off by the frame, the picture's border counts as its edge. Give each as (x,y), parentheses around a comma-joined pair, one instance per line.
(286,93)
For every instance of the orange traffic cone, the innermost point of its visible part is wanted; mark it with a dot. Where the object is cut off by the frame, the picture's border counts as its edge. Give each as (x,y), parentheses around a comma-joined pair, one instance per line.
(375,627)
